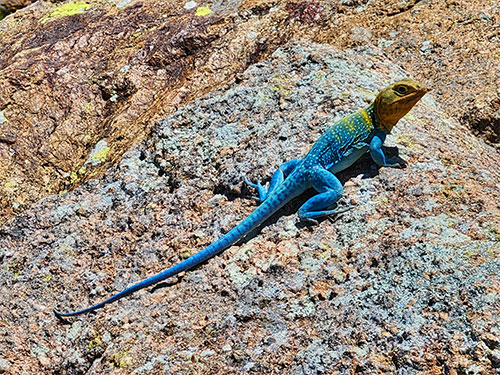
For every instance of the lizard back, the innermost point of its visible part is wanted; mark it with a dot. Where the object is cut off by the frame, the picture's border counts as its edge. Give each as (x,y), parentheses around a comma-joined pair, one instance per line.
(345,141)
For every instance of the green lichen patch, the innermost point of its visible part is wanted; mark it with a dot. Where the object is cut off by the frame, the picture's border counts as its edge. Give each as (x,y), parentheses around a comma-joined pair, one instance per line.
(100,155)
(75,175)
(87,108)
(97,157)
(95,342)
(203,11)
(16,268)
(282,85)
(68,9)
(408,141)
(121,359)
(67,250)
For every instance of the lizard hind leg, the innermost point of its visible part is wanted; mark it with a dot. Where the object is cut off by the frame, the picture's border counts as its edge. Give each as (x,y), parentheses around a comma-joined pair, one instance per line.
(278,177)
(330,190)
(262,190)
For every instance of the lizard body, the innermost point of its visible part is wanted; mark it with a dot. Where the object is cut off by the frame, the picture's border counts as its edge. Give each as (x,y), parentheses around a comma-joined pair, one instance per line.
(339,147)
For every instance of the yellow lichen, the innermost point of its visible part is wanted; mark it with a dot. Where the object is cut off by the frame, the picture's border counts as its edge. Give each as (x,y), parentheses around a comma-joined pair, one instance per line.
(203,11)
(101,155)
(82,170)
(67,250)
(73,177)
(87,107)
(469,253)
(67,9)
(407,140)
(96,341)
(16,268)
(282,85)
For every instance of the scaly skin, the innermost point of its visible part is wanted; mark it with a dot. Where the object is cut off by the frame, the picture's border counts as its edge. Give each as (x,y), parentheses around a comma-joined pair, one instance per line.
(340,146)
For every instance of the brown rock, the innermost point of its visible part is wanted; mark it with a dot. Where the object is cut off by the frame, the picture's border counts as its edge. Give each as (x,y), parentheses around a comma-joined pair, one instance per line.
(416,289)
(10,6)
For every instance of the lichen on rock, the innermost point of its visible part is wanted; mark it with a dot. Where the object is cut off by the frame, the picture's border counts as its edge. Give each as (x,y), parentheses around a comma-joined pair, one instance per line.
(65,10)
(408,278)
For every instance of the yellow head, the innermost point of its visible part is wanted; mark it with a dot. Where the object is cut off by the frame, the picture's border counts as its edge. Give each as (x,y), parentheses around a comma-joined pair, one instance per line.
(396,100)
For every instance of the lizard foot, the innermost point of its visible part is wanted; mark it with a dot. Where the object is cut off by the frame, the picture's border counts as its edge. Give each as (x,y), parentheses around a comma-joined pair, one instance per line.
(311,216)
(261,189)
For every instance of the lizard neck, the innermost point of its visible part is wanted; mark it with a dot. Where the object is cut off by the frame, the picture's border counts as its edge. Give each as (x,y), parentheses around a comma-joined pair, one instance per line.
(377,122)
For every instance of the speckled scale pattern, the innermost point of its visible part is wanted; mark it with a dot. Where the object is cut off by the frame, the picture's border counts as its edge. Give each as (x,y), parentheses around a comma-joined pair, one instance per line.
(344,137)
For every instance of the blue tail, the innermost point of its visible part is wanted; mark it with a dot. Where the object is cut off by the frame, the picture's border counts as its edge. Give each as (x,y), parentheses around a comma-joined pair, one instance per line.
(261,213)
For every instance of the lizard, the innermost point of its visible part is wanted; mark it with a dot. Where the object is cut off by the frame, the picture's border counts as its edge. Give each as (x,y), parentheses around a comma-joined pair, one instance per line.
(339,147)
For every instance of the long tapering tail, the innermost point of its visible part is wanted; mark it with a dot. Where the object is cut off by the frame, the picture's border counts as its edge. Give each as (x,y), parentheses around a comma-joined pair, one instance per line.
(273,203)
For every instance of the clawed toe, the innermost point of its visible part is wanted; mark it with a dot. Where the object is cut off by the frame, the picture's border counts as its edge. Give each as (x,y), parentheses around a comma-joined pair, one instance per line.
(248,182)
(261,189)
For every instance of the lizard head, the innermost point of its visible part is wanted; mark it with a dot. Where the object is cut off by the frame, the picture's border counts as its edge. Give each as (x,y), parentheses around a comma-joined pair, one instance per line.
(396,100)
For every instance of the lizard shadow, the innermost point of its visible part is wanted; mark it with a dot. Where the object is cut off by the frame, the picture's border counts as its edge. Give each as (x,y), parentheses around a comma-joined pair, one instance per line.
(364,166)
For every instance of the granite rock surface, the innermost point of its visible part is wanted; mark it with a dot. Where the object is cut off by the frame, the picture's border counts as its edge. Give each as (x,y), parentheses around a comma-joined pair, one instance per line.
(406,282)
(82,82)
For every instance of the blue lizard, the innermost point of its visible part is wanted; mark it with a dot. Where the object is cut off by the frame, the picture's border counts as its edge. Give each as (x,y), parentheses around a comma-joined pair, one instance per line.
(339,147)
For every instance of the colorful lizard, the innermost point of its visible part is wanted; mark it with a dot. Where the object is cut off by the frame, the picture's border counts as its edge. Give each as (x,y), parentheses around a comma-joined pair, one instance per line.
(339,147)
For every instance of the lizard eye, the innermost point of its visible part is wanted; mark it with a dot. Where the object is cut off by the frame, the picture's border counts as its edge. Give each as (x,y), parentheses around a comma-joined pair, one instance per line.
(401,89)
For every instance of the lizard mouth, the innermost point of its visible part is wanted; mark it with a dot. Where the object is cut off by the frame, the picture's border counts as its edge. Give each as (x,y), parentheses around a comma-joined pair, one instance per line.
(422,91)
(418,94)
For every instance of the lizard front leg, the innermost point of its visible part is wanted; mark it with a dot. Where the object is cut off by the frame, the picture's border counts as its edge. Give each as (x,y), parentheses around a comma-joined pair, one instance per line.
(278,177)
(378,155)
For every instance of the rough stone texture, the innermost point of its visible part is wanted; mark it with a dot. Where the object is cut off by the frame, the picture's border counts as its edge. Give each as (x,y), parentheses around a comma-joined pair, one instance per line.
(74,74)
(102,73)
(452,45)
(10,6)
(406,282)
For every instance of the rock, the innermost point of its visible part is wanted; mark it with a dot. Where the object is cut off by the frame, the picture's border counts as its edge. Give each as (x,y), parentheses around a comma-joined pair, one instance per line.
(426,47)
(10,6)
(76,73)
(4,365)
(384,287)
